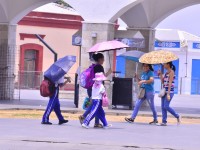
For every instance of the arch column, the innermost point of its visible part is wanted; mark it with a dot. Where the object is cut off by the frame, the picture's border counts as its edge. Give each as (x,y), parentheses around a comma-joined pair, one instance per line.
(7,61)
(149,36)
(93,33)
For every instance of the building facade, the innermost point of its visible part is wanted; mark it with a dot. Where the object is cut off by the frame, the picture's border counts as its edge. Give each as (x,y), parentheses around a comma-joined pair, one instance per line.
(56,26)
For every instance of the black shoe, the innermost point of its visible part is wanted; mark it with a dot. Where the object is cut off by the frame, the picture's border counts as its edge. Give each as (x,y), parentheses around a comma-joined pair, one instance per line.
(153,122)
(46,123)
(130,120)
(81,119)
(63,121)
(98,126)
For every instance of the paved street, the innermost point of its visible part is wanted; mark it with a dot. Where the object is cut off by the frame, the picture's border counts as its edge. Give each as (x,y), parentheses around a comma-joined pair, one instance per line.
(20,134)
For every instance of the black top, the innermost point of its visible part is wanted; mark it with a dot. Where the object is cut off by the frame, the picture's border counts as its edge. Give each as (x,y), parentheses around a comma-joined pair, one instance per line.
(98,68)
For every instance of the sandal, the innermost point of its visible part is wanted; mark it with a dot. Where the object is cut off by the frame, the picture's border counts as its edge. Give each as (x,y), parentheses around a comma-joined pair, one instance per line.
(98,126)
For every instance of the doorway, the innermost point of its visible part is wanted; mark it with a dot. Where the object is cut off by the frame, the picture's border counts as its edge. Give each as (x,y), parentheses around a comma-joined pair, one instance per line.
(30,59)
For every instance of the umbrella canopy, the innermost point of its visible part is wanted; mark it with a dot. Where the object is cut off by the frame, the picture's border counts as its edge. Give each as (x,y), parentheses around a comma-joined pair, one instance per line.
(158,57)
(107,46)
(60,68)
(132,55)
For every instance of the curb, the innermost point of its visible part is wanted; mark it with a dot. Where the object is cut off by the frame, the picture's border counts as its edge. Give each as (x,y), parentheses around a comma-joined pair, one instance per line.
(78,111)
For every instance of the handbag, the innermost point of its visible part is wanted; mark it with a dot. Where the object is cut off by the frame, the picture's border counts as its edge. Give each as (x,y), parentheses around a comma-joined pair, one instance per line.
(162,92)
(86,103)
(141,93)
(105,101)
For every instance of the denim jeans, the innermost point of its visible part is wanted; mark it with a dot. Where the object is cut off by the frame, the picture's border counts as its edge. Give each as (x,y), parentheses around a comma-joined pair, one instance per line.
(166,108)
(149,96)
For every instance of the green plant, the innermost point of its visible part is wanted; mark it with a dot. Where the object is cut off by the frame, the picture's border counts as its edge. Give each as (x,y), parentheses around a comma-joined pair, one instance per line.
(62,2)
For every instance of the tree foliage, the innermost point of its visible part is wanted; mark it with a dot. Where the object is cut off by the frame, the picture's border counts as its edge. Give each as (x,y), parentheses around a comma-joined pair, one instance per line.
(63,3)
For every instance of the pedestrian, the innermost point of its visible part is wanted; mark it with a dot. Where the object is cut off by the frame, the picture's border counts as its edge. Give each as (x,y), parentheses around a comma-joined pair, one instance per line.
(146,82)
(99,60)
(98,90)
(168,81)
(54,104)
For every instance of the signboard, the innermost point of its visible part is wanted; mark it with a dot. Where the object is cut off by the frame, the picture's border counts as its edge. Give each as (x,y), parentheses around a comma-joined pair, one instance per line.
(133,42)
(196,45)
(167,44)
(76,40)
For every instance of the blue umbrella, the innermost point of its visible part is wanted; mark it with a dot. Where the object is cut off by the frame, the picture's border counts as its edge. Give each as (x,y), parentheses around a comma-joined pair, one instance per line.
(60,68)
(132,55)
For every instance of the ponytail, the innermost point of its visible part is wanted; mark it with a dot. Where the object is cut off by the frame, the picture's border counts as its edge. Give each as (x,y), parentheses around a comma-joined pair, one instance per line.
(172,66)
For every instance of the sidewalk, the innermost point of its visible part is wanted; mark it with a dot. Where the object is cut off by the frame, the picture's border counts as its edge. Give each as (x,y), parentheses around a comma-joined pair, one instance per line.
(187,106)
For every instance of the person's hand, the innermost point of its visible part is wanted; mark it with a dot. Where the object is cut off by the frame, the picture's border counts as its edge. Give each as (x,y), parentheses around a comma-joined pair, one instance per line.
(141,82)
(136,75)
(168,97)
(68,80)
(109,71)
(159,73)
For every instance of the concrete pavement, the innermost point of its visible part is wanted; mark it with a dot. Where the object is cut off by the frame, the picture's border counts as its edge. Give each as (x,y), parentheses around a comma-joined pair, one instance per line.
(21,134)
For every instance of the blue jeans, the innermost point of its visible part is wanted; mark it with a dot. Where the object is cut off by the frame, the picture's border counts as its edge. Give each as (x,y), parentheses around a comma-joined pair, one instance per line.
(53,104)
(166,108)
(98,111)
(149,96)
(89,92)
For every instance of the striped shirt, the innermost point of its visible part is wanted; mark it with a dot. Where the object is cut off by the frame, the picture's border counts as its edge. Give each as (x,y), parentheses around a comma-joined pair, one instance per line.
(166,83)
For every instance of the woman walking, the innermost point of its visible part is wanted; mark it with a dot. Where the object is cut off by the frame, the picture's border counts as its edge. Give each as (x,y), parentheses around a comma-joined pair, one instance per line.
(99,60)
(147,82)
(168,84)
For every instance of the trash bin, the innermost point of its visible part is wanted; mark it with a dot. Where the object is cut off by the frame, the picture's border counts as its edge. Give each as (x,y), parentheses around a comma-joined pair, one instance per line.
(122,92)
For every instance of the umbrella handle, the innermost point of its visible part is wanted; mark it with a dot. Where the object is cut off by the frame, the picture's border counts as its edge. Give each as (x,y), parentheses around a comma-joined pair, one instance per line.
(109,59)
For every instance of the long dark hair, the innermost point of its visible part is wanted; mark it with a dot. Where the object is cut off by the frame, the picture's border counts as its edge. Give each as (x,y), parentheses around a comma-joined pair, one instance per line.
(97,56)
(171,65)
(150,66)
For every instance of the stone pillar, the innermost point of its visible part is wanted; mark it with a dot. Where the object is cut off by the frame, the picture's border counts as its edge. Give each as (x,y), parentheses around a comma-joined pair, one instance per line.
(149,35)
(7,61)
(93,33)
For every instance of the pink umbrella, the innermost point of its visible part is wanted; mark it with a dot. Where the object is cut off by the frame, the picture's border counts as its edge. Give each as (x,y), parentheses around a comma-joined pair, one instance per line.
(107,46)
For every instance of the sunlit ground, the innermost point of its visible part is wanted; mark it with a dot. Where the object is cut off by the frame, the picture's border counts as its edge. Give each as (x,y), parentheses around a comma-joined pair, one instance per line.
(36,114)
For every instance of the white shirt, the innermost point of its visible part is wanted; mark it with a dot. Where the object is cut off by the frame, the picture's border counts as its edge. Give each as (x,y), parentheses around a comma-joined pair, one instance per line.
(60,81)
(97,93)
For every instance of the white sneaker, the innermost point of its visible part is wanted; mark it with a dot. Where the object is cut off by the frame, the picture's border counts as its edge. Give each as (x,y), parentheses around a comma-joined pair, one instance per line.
(108,126)
(85,126)
(161,124)
(179,120)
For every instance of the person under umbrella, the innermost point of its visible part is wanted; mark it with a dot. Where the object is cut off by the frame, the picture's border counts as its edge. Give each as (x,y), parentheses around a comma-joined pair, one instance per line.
(168,81)
(54,104)
(55,75)
(147,83)
(99,60)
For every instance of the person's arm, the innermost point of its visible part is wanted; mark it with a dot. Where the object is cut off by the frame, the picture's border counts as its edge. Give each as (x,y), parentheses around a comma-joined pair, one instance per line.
(149,81)
(171,78)
(137,77)
(67,81)
(161,76)
(108,73)
(103,89)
